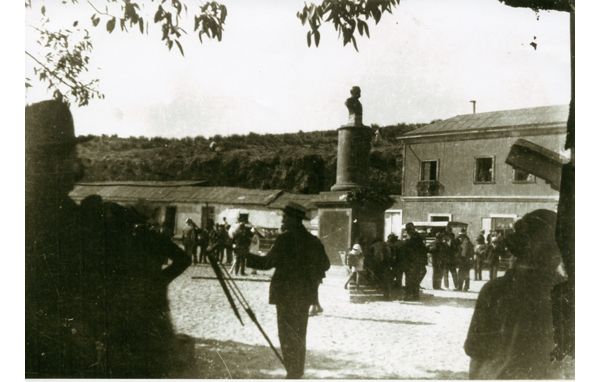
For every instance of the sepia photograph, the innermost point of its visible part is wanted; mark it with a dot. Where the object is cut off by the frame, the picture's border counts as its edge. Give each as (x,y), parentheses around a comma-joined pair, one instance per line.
(337,189)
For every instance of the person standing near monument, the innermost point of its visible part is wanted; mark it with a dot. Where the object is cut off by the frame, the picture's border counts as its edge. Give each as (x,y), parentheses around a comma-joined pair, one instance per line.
(300,263)
(381,254)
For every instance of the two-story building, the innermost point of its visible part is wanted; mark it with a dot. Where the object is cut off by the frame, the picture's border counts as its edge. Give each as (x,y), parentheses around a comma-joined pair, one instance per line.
(455,169)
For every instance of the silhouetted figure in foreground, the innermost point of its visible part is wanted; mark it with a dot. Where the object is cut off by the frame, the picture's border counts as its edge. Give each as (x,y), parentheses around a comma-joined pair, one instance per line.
(300,263)
(511,333)
(95,287)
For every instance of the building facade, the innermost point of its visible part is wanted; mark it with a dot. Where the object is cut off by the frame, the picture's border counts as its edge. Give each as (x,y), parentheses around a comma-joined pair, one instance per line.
(455,169)
(172,203)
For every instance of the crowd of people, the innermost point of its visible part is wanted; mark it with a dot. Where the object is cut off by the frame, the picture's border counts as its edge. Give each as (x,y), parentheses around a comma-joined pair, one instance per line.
(402,263)
(96,277)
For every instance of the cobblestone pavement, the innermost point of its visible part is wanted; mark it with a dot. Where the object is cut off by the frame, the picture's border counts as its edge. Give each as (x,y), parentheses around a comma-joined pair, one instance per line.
(375,340)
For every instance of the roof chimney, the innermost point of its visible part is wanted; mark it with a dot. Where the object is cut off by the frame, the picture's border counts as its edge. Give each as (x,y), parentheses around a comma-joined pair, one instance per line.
(473,102)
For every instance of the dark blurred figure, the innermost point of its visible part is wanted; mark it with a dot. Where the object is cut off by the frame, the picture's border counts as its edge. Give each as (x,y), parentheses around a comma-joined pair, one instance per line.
(300,263)
(382,255)
(205,241)
(465,261)
(396,260)
(451,261)
(511,332)
(189,237)
(481,236)
(438,250)
(223,242)
(95,287)
(481,254)
(416,260)
(228,243)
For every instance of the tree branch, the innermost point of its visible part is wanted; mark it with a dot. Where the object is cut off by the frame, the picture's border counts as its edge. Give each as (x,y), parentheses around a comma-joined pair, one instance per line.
(50,71)
(97,11)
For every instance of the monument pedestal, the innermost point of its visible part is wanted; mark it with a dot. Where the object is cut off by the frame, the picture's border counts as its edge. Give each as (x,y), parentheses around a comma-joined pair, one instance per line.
(345,221)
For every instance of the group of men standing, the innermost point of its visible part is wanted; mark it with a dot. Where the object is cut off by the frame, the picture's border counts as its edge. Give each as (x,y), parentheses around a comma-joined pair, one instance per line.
(389,262)
(396,260)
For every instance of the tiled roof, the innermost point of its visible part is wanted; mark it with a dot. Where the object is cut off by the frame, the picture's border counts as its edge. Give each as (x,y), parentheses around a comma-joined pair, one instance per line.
(544,116)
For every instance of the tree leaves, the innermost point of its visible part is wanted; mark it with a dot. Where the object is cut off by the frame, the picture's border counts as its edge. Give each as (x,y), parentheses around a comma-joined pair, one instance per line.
(346,16)
(110,24)
(180,47)
(65,57)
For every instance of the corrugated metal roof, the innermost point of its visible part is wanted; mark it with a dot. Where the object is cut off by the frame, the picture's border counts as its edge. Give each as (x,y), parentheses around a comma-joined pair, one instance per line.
(174,192)
(223,195)
(146,183)
(304,200)
(508,119)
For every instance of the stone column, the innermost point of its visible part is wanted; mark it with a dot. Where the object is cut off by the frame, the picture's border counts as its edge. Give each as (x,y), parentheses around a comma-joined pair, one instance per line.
(354,148)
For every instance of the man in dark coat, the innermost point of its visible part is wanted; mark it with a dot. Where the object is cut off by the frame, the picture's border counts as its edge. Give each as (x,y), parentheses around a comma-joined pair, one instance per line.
(495,252)
(438,250)
(465,260)
(481,250)
(416,260)
(300,263)
(381,254)
(396,260)
(189,237)
(95,287)
(450,262)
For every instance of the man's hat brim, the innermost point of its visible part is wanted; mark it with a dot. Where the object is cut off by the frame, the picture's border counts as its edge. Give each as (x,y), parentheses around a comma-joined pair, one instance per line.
(295,210)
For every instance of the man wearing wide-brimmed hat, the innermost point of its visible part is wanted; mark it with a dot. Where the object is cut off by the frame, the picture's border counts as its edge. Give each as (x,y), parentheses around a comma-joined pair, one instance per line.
(95,287)
(300,263)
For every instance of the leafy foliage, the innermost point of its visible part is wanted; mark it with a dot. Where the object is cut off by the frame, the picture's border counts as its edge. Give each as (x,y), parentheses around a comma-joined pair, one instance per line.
(538,5)
(346,16)
(66,51)
(303,162)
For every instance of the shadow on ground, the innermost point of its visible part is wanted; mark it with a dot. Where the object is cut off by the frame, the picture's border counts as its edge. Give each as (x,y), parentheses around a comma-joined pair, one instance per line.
(233,360)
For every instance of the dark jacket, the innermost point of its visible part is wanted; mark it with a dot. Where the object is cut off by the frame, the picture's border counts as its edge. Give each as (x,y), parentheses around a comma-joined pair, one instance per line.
(511,334)
(381,252)
(439,251)
(466,253)
(415,251)
(300,263)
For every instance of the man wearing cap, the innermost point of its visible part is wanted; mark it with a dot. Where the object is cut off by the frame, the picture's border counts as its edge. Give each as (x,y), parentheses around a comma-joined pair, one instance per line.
(95,288)
(300,263)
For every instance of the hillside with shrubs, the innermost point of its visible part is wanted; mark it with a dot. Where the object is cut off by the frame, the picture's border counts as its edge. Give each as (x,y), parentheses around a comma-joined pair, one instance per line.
(303,162)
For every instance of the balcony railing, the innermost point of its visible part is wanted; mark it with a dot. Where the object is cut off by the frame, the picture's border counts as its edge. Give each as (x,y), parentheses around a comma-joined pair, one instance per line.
(430,188)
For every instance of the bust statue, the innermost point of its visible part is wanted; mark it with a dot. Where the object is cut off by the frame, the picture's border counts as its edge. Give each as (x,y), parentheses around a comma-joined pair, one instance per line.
(354,107)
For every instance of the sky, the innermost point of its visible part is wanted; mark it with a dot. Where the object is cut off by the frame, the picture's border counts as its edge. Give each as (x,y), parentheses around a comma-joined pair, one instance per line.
(426,61)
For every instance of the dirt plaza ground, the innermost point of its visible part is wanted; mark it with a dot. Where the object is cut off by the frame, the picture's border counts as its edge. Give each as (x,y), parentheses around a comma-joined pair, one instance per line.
(374,340)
